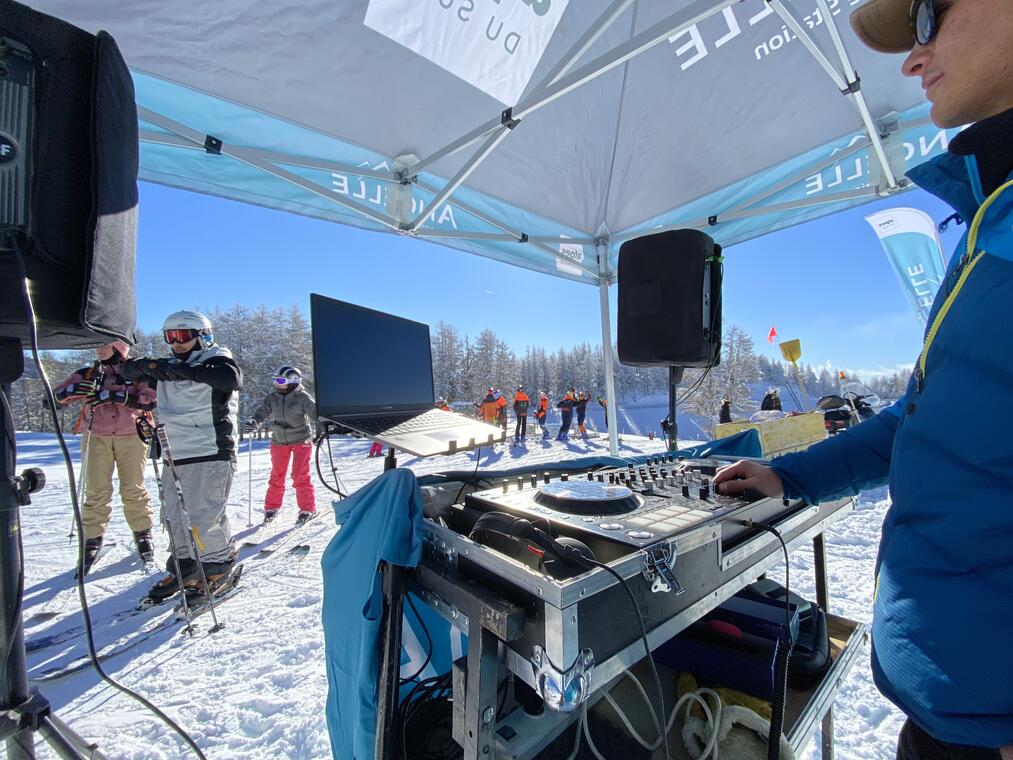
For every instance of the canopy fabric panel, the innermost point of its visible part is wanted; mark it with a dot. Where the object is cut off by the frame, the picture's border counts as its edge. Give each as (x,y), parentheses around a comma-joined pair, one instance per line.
(590,121)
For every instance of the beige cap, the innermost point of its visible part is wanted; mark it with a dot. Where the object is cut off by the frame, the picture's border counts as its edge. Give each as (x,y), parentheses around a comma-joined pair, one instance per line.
(885,25)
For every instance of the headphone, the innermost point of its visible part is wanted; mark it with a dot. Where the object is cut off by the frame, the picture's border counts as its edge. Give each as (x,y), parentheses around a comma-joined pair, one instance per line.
(565,550)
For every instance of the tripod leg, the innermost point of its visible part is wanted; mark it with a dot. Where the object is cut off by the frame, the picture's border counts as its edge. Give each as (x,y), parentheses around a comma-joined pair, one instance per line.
(65,742)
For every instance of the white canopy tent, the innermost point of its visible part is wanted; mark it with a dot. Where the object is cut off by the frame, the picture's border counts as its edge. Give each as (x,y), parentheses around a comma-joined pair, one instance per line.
(541,133)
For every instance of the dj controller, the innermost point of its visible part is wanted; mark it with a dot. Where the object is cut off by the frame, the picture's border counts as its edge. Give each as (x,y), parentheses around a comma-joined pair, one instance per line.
(637,505)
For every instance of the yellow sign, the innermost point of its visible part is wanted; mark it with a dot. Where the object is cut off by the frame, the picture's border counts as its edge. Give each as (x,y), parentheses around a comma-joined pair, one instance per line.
(791,350)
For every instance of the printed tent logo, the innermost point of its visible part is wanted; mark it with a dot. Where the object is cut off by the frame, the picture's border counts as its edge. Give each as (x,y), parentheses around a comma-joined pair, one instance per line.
(492,45)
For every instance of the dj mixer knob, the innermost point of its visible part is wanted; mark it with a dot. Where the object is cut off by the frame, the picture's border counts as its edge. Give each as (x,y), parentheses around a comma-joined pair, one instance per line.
(534,481)
(545,478)
(564,477)
(685,490)
(590,475)
(601,478)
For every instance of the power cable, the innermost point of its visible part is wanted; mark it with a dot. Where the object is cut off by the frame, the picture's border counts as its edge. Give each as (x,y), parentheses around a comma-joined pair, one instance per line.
(85,612)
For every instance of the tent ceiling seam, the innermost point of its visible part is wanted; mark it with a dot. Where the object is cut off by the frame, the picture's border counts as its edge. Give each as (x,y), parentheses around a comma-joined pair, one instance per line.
(619,124)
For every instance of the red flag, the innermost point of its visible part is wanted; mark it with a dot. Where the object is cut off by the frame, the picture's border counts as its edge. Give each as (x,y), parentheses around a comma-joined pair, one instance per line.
(772,334)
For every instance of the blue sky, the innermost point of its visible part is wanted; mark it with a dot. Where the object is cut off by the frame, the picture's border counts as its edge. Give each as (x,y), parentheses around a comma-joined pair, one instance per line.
(826,282)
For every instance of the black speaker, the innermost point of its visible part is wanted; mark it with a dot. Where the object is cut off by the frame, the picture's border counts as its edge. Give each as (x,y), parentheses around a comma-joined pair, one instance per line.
(68,181)
(670,300)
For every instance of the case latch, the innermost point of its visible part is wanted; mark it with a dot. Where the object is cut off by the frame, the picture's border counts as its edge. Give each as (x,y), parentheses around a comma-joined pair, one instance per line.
(658,568)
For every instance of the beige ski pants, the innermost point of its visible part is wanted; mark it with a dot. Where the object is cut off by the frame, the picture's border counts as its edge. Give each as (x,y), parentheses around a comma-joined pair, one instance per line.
(126,454)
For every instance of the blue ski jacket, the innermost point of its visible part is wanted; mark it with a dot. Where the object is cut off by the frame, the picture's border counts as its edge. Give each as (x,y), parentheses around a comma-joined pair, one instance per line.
(942,632)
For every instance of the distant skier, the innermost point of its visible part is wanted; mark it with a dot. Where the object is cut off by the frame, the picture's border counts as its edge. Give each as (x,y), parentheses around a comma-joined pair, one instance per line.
(771,400)
(542,413)
(502,416)
(290,411)
(725,415)
(521,402)
(582,399)
(441,403)
(667,429)
(565,406)
(197,403)
(603,403)
(375,450)
(110,441)
(488,408)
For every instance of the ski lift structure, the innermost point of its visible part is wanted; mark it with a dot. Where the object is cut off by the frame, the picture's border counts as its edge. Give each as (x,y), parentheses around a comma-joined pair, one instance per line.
(538,133)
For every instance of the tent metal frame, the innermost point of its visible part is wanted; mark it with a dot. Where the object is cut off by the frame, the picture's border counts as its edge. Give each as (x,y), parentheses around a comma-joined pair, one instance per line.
(562,79)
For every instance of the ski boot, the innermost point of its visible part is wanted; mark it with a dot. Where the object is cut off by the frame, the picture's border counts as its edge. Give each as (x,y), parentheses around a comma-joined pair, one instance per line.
(219,577)
(304,517)
(92,548)
(145,546)
(270,514)
(169,585)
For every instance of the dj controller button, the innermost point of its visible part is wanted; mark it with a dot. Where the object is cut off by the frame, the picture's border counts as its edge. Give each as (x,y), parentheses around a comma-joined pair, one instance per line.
(640,535)
(641,521)
(611,526)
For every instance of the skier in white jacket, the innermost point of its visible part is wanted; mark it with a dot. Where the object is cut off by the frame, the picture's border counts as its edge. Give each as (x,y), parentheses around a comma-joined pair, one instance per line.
(198,404)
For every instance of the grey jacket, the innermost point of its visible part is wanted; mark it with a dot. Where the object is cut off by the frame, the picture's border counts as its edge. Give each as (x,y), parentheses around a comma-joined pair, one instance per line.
(291,415)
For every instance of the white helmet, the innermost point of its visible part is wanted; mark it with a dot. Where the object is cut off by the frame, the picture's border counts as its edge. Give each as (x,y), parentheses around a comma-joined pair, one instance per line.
(191,320)
(286,375)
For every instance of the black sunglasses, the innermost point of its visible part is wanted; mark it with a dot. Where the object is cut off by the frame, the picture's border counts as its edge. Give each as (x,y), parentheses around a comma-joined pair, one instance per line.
(926,17)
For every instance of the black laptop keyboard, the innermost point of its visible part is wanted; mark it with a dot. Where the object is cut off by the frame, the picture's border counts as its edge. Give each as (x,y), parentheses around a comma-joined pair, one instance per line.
(408,422)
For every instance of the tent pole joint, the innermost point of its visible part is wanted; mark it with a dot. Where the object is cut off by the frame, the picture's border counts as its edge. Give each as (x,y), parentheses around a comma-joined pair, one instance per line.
(712,220)
(212,145)
(854,86)
(507,118)
(523,238)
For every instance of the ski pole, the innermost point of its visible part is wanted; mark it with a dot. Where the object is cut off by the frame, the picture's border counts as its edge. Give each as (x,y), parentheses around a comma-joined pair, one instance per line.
(84,472)
(163,439)
(153,452)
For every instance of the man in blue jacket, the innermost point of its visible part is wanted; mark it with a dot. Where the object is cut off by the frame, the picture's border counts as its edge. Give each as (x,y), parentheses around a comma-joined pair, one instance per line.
(943,621)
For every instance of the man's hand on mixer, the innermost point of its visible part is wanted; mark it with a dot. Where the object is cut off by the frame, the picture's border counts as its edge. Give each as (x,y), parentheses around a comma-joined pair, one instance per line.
(745,476)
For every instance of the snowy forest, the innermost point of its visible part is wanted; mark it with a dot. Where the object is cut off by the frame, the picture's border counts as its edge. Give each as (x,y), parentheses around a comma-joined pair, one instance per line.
(464,366)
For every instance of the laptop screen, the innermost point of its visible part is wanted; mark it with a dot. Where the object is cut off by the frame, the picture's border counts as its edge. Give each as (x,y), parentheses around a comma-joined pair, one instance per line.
(368,362)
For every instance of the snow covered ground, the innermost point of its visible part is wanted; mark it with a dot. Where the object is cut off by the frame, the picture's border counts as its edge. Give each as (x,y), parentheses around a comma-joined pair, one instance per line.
(257,688)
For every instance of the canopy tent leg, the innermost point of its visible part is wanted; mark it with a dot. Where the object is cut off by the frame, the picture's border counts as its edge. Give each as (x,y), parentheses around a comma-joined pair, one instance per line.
(612,421)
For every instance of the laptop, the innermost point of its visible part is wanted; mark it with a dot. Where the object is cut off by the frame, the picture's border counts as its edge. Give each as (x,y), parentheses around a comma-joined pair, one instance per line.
(373,374)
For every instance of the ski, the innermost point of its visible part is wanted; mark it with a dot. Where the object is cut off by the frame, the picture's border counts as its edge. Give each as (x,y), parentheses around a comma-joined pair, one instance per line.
(283,538)
(197,608)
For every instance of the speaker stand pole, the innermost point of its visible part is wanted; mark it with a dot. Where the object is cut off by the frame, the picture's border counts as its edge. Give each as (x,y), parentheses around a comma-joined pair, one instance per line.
(393,583)
(23,711)
(674,378)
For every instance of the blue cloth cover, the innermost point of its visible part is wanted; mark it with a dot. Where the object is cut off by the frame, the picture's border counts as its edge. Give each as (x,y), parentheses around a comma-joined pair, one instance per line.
(943,618)
(381,521)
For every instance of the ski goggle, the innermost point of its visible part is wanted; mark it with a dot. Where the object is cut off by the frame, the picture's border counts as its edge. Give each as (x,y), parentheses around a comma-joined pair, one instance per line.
(926,17)
(281,381)
(179,336)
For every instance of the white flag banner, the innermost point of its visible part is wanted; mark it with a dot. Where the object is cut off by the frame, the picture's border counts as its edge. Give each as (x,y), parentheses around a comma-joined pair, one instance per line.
(912,246)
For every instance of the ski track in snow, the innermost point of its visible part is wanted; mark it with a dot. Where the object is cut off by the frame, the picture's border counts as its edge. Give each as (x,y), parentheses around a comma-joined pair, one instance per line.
(257,689)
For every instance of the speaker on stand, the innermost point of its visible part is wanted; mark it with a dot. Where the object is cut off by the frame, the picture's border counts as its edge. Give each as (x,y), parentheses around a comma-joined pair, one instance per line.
(669,311)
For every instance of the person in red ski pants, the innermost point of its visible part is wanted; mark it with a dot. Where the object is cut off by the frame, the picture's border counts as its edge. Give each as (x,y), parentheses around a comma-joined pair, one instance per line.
(290,411)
